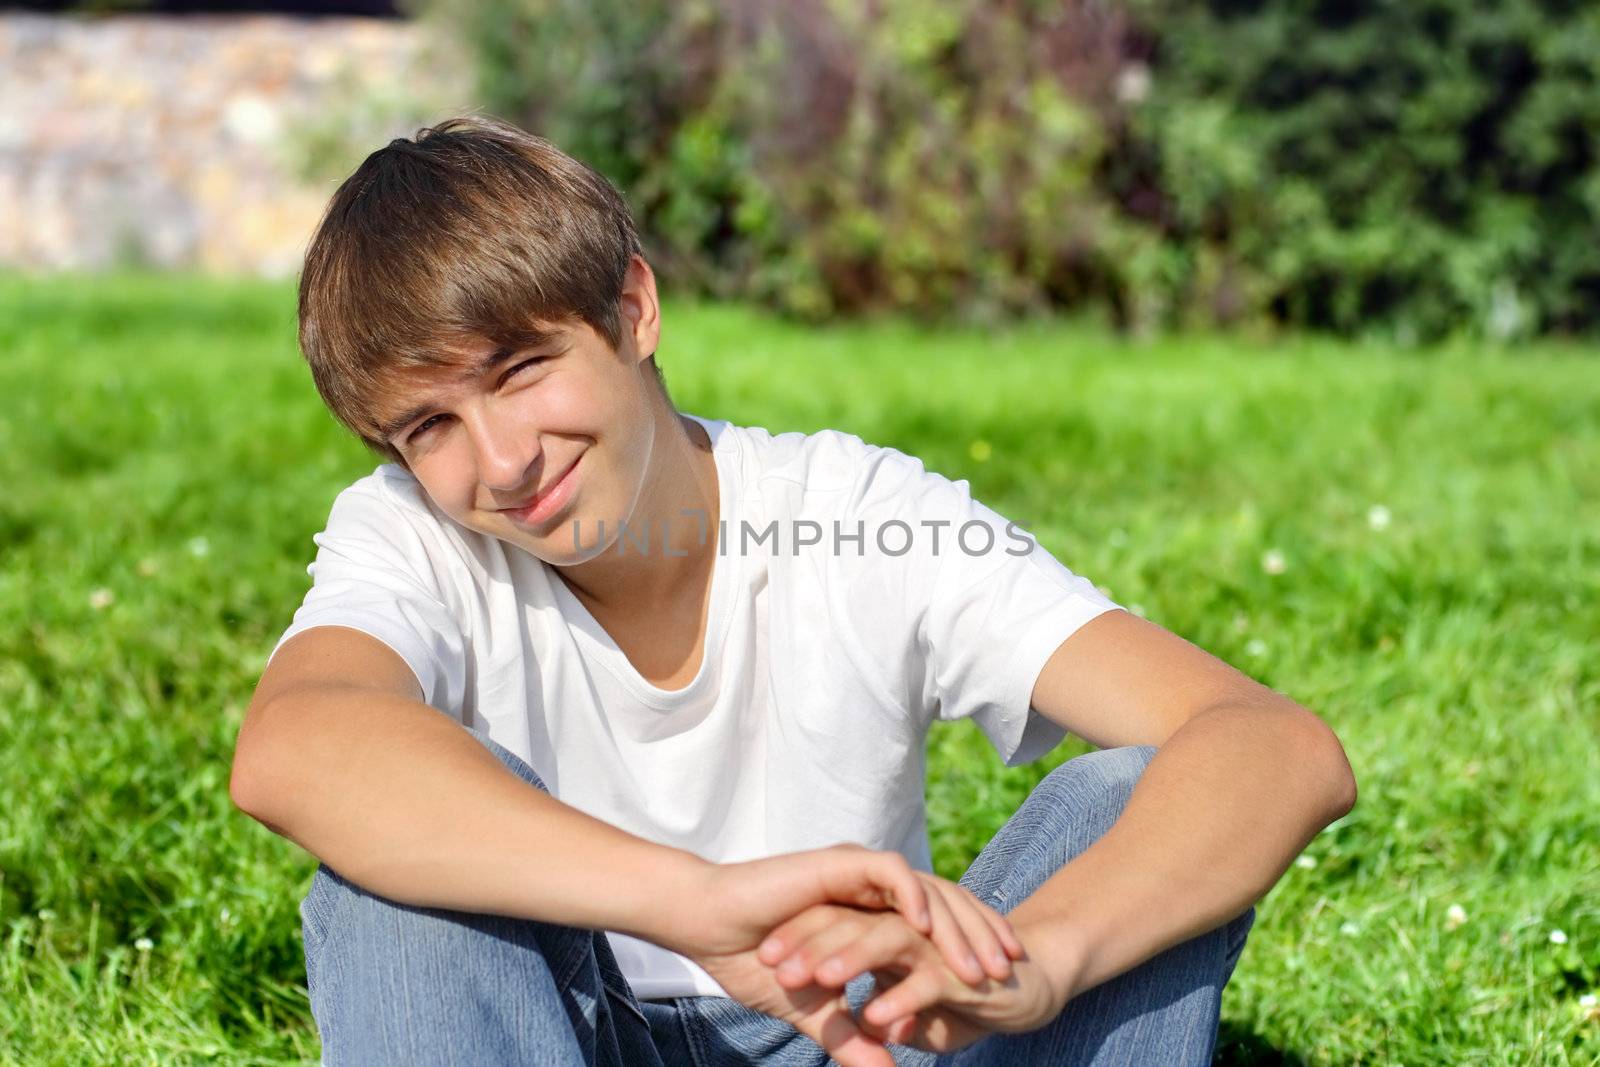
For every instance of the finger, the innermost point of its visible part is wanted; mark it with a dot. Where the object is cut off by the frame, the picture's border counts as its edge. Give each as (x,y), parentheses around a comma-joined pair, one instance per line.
(1008,941)
(847,1043)
(987,930)
(862,930)
(901,1030)
(950,939)
(910,896)
(916,991)
(878,879)
(883,944)
(981,935)
(929,1029)
(1002,927)
(788,935)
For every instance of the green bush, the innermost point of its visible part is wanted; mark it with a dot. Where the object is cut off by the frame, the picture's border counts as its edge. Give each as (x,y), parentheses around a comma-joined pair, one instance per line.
(1424,167)
(1413,169)
(930,156)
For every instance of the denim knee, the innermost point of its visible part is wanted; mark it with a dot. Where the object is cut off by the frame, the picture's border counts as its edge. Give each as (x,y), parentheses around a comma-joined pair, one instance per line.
(1071,808)
(1095,788)
(489,975)
(1084,796)
(1101,780)
(513,762)
(335,901)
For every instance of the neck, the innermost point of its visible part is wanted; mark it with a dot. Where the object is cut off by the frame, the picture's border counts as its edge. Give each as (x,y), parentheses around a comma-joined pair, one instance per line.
(670,544)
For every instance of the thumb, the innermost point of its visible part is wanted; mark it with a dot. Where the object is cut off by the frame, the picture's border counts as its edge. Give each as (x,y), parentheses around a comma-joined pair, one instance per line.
(902,1032)
(877,880)
(844,1040)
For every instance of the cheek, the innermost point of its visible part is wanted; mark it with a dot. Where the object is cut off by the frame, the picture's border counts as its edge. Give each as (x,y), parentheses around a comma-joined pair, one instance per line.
(568,405)
(448,481)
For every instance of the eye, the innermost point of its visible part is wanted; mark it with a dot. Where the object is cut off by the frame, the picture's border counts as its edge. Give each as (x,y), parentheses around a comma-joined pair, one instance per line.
(524,365)
(427,424)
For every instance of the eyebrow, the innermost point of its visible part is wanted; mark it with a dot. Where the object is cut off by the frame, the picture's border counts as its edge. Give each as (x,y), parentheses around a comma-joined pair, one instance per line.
(488,363)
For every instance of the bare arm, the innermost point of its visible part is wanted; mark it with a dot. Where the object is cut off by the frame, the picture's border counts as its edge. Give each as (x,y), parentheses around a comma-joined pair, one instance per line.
(339,754)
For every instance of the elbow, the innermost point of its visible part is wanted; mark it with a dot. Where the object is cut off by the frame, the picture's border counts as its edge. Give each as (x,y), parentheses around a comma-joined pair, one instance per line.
(241,789)
(250,777)
(1339,775)
(1348,800)
(244,788)
(1344,793)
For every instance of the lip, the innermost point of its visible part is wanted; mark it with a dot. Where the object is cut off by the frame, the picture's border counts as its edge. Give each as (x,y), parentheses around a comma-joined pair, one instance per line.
(543,508)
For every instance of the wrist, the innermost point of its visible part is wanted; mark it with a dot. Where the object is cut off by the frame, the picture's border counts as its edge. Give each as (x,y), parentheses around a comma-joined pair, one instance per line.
(1058,947)
(668,907)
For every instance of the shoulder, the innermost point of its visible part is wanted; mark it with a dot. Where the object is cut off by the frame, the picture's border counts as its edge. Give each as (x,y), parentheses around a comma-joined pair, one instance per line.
(826,461)
(388,515)
(392,498)
(390,490)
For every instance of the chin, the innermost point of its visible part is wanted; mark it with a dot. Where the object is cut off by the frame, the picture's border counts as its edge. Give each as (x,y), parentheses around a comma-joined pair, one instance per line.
(555,548)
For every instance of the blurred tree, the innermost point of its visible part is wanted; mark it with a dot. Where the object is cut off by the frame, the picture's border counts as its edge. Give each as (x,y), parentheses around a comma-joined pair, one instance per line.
(1416,169)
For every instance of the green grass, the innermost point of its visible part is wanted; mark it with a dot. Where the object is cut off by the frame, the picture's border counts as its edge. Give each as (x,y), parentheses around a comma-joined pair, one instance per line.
(165,462)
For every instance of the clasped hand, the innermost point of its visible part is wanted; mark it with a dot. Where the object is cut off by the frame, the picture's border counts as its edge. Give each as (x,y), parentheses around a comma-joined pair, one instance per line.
(786,934)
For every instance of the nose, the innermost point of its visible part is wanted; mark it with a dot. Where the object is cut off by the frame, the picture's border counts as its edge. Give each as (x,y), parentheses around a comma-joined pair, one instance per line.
(506,451)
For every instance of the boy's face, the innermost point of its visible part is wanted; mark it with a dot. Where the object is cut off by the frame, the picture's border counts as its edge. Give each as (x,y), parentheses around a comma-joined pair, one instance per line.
(521,445)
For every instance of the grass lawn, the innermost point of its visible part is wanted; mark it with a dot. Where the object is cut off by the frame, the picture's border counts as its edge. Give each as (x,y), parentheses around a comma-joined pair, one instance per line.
(1408,543)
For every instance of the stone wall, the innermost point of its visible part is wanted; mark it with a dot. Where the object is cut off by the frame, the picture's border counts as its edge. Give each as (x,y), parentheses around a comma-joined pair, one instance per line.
(197,142)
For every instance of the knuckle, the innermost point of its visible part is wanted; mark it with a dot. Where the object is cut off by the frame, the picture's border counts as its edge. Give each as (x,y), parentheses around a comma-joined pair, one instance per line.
(934,988)
(907,957)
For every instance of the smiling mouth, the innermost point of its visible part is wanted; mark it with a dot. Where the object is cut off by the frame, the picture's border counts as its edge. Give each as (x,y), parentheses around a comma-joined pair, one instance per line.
(540,497)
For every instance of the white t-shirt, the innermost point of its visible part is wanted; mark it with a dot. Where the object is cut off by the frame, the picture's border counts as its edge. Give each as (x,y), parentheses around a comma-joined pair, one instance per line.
(824,665)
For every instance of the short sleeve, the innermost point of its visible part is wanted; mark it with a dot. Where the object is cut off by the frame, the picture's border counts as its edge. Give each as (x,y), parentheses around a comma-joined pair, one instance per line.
(374,572)
(986,603)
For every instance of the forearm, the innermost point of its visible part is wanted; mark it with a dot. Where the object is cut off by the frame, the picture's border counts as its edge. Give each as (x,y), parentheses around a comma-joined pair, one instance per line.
(1217,817)
(401,800)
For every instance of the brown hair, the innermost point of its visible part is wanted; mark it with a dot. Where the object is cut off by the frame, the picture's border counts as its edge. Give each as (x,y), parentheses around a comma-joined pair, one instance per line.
(474,228)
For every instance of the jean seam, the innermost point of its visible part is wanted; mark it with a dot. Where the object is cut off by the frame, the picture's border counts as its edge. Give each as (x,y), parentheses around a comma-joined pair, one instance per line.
(344,898)
(626,1001)
(698,1050)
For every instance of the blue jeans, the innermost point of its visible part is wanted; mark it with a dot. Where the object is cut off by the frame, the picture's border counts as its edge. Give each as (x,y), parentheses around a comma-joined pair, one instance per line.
(395,984)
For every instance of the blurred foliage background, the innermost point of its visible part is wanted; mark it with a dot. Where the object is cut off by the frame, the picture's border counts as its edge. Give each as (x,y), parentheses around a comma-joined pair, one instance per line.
(1398,525)
(1410,171)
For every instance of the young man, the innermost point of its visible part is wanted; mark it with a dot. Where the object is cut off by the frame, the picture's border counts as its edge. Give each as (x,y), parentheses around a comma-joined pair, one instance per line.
(672,810)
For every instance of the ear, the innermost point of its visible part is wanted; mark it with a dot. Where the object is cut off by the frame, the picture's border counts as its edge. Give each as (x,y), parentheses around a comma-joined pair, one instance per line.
(641,311)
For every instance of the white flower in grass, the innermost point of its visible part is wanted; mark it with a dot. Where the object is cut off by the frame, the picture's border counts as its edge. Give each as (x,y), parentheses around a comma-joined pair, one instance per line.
(1378,517)
(1256,647)
(1272,562)
(199,547)
(1133,83)
(144,944)
(1558,937)
(1588,1000)
(1305,863)
(1454,916)
(1349,929)
(101,599)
